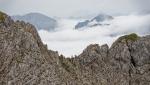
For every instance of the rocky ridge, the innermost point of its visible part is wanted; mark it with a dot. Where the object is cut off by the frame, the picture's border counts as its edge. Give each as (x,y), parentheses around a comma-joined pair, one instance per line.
(25,60)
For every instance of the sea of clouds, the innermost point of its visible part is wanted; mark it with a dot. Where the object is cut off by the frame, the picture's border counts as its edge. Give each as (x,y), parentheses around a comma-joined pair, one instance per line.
(69,42)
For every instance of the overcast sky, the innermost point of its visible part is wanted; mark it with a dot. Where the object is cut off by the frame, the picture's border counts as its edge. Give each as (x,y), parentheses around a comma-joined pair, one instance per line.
(63,8)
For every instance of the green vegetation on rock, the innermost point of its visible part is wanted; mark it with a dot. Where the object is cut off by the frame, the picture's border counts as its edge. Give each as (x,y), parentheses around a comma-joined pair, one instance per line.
(2,17)
(131,37)
(67,64)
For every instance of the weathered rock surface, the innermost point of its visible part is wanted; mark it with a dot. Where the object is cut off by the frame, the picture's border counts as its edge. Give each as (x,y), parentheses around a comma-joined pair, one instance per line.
(25,60)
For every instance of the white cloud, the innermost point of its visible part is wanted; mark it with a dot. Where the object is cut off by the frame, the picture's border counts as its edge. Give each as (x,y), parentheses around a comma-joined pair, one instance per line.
(65,8)
(68,41)
(142,6)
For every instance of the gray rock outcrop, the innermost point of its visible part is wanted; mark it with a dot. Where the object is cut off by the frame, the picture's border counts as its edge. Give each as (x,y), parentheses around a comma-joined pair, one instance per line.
(25,60)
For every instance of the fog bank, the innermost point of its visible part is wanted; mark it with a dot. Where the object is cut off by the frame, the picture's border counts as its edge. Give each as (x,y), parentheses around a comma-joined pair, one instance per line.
(68,41)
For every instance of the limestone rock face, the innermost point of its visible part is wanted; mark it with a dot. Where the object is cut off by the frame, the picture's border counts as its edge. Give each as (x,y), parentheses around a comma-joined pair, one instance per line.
(25,60)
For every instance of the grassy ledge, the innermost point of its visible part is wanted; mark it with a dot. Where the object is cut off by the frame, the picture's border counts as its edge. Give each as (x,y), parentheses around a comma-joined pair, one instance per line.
(2,17)
(131,37)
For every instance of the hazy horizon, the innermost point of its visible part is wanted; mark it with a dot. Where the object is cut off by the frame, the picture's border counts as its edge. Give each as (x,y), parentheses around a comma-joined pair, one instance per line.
(69,8)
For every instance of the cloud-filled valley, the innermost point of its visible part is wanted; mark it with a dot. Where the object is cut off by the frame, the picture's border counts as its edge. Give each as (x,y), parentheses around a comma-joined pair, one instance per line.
(68,41)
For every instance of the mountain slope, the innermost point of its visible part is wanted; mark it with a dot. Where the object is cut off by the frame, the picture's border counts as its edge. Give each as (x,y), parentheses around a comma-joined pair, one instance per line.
(40,21)
(25,60)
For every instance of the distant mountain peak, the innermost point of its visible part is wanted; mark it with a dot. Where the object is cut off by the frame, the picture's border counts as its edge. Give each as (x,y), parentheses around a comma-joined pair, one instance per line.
(102,17)
(96,21)
(40,21)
